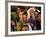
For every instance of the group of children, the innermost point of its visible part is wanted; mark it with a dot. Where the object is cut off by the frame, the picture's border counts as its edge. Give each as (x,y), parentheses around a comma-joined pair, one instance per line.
(25,18)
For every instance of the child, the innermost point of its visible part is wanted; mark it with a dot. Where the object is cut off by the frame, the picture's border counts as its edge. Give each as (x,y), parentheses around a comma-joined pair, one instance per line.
(25,28)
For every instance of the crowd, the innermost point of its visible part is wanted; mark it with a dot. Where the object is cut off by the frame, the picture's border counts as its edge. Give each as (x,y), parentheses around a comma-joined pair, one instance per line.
(25,18)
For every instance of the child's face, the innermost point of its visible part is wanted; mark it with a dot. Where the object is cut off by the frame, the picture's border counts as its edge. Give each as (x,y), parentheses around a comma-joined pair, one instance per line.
(21,15)
(25,17)
(25,29)
(36,14)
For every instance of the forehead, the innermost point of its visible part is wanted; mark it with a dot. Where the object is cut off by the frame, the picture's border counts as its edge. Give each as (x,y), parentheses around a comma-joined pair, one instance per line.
(24,15)
(21,12)
(25,27)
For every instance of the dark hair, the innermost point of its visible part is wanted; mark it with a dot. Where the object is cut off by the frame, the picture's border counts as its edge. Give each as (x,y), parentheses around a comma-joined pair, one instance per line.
(39,13)
(25,13)
(35,11)
(21,7)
